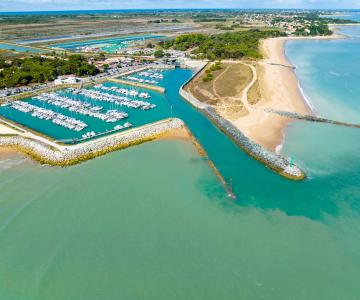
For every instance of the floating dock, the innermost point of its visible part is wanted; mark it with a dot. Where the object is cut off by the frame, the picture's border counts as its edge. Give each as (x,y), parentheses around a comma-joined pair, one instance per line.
(139,85)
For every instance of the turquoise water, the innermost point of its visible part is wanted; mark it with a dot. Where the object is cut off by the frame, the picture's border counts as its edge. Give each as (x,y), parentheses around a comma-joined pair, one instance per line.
(153,222)
(114,41)
(137,117)
(328,74)
(18,48)
(159,82)
(333,82)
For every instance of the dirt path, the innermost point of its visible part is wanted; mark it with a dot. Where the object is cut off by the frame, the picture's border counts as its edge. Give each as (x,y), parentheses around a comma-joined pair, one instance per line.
(246,90)
(244,94)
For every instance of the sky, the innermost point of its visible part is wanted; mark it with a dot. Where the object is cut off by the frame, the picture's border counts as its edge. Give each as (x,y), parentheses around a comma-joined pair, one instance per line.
(40,5)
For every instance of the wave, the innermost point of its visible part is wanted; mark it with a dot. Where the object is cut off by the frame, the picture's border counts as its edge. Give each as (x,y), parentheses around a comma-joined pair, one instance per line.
(306,99)
(9,163)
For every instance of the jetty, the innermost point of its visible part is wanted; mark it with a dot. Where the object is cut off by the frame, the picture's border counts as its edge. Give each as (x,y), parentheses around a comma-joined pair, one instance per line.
(278,163)
(48,152)
(310,118)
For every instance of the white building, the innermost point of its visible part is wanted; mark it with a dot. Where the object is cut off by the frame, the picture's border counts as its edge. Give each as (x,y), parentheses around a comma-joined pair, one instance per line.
(66,80)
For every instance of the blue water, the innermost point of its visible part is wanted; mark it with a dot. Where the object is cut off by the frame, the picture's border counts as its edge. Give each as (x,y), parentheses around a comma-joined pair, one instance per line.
(35,40)
(315,198)
(348,15)
(18,48)
(115,41)
(160,82)
(137,117)
(334,82)
(329,76)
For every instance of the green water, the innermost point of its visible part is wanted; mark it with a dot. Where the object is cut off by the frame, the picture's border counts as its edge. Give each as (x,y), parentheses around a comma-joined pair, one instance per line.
(152,222)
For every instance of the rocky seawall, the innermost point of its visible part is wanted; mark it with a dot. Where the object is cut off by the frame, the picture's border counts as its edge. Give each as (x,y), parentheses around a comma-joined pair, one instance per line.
(278,163)
(66,156)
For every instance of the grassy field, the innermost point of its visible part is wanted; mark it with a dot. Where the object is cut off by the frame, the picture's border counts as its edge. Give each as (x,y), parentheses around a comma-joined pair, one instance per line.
(255,94)
(224,91)
(233,80)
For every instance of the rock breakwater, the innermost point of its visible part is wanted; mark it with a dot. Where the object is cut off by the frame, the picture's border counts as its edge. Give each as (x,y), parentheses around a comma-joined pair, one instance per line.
(274,161)
(70,155)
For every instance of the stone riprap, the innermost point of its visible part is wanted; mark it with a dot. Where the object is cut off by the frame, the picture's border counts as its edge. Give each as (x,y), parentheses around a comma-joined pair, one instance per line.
(274,161)
(278,163)
(70,155)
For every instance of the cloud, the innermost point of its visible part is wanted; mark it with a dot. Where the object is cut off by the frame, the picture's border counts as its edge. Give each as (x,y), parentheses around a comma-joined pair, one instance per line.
(24,5)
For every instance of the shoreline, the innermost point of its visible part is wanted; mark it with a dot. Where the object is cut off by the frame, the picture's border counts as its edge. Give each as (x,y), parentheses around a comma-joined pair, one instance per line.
(43,153)
(279,164)
(281,90)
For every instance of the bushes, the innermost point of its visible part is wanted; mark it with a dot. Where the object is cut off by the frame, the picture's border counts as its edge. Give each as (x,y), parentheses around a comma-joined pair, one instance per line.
(209,75)
(215,67)
(159,54)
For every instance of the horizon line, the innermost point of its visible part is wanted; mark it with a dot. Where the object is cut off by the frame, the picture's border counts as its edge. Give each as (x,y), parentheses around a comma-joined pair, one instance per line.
(184,8)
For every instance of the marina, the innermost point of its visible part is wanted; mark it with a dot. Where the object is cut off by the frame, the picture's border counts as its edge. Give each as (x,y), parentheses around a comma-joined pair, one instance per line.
(149,76)
(86,105)
(46,114)
(82,107)
(74,115)
(115,99)
(161,185)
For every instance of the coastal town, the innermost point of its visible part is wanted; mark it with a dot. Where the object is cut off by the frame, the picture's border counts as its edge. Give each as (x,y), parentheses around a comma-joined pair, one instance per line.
(176,150)
(76,69)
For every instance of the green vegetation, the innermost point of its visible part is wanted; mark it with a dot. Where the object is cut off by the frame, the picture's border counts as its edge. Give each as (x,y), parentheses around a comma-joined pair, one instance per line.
(209,75)
(209,17)
(159,53)
(314,29)
(3,64)
(339,21)
(230,27)
(163,21)
(223,27)
(221,46)
(38,69)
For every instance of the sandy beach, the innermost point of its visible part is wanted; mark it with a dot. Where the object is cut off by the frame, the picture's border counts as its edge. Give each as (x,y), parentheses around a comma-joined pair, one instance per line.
(279,91)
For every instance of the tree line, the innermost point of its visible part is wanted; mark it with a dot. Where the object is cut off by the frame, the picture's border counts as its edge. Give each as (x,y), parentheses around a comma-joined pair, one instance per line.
(22,71)
(222,46)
